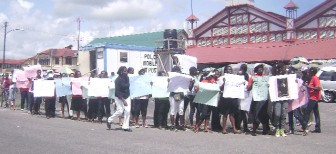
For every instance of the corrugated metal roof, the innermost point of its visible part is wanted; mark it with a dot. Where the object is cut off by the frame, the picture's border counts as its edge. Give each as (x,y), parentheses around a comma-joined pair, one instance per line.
(272,51)
(143,40)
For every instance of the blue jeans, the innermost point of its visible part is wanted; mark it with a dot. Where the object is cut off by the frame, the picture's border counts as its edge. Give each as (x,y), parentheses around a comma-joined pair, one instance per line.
(298,115)
(312,106)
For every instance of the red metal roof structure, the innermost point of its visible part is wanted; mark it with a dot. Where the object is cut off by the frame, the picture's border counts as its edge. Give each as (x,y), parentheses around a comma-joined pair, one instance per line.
(192,18)
(14,61)
(265,52)
(291,5)
(65,52)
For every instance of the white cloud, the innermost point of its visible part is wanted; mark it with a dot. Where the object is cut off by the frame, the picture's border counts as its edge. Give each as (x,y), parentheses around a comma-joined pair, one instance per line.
(25,4)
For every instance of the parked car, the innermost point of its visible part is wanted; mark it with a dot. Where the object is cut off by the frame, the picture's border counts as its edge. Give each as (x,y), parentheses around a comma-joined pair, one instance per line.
(327,76)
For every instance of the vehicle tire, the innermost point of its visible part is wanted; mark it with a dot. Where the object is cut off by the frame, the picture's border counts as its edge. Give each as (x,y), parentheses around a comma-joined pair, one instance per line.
(328,97)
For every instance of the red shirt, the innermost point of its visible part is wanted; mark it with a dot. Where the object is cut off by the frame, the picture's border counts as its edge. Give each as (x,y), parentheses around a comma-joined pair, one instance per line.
(6,83)
(314,94)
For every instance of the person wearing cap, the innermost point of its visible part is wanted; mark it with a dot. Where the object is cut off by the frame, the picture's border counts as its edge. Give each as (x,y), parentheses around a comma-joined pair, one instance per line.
(258,110)
(205,110)
(314,90)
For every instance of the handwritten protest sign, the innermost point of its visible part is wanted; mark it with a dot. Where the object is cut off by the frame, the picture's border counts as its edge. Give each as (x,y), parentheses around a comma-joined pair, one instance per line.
(159,88)
(31,71)
(76,84)
(140,85)
(234,86)
(207,94)
(178,82)
(260,88)
(44,88)
(99,87)
(302,97)
(186,62)
(63,87)
(283,87)
(245,103)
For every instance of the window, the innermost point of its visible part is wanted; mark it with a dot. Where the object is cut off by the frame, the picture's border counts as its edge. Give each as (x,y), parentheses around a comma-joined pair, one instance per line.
(328,76)
(68,60)
(57,60)
(35,61)
(123,57)
(44,61)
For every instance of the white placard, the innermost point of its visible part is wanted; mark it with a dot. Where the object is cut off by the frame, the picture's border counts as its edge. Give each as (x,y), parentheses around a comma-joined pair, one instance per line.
(178,82)
(99,87)
(234,86)
(44,88)
(283,87)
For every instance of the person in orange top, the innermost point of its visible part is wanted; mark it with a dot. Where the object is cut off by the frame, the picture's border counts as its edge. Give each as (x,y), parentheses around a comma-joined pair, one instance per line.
(314,90)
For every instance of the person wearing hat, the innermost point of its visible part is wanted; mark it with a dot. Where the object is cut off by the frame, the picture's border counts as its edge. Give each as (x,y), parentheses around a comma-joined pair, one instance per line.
(314,90)
(205,110)
(258,111)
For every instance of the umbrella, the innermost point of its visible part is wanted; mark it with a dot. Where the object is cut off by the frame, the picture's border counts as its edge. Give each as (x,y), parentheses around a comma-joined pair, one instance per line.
(296,60)
(66,70)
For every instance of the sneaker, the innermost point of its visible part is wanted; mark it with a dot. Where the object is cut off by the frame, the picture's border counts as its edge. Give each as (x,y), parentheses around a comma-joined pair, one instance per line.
(127,130)
(277,133)
(291,132)
(305,132)
(108,125)
(282,133)
(21,109)
(317,131)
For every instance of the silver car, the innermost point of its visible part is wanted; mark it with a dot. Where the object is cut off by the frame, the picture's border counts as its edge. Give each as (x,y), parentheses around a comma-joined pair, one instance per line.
(327,76)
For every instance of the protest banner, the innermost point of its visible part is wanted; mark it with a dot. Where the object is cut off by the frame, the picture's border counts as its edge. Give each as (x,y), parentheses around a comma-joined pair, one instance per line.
(283,87)
(234,86)
(140,85)
(62,87)
(246,102)
(15,74)
(302,97)
(186,62)
(76,84)
(44,88)
(31,71)
(99,87)
(260,88)
(21,76)
(159,87)
(22,84)
(207,94)
(178,82)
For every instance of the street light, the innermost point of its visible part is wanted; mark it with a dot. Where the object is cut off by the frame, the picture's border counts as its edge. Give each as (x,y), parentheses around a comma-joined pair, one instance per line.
(4,48)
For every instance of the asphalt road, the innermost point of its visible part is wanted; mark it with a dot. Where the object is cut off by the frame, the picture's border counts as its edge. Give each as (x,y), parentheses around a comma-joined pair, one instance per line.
(24,133)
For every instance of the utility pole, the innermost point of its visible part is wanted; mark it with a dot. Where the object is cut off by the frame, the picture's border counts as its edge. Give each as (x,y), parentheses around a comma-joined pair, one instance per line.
(4,48)
(78,36)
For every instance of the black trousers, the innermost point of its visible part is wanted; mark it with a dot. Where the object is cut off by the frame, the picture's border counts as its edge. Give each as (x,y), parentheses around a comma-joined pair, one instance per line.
(50,107)
(36,105)
(258,113)
(161,110)
(205,112)
(93,108)
(140,106)
(24,99)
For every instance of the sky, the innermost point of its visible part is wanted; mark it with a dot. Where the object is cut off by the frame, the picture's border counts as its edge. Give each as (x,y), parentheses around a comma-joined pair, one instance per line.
(52,24)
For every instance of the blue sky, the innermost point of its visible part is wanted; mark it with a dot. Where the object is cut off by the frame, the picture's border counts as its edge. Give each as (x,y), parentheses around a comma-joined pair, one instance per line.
(52,23)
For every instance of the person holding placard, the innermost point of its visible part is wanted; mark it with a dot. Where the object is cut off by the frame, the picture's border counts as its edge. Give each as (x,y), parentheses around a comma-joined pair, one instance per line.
(258,111)
(104,108)
(205,110)
(140,105)
(63,100)
(50,101)
(94,104)
(241,116)
(161,108)
(6,82)
(123,100)
(229,106)
(280,107)
(77,101)
(36,101)
(191,95)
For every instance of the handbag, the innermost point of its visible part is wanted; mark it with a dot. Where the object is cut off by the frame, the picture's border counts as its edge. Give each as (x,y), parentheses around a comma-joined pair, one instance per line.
(177,97)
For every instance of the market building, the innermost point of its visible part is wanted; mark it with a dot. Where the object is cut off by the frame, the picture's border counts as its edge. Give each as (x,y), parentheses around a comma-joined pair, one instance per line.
(241,32)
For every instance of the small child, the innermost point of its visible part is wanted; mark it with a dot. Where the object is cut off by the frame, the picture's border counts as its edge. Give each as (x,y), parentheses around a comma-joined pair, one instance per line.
(12,94)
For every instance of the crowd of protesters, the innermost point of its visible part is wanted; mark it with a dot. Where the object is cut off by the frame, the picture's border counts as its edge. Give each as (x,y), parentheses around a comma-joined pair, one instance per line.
(201,117)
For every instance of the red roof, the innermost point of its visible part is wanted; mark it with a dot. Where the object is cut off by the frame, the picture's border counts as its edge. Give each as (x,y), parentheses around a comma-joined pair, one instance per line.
(13,61)
(263,52)
(192,18)
(291,5)
(65,52)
